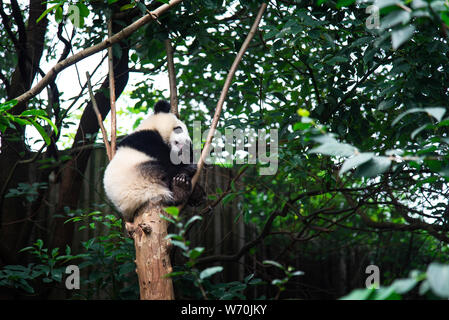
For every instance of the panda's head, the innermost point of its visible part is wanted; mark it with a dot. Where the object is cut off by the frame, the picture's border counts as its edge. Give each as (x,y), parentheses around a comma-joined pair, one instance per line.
(172,130)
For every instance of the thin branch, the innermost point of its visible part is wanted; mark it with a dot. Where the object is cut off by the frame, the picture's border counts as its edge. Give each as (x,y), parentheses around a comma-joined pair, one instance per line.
(6,25)
(17,14)
(111,96)
(123,34)
(172,77)
(99,118)
(225,90)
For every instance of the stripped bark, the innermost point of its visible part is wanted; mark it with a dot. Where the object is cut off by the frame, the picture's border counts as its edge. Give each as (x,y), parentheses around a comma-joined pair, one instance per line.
(152,255)
(112,97)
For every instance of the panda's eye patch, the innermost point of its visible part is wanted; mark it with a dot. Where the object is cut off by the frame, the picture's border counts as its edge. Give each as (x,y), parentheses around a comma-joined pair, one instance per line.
(177,130)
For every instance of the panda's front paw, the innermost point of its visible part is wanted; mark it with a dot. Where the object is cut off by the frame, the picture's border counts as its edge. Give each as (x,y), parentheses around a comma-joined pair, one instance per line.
(181,188)
(182,181)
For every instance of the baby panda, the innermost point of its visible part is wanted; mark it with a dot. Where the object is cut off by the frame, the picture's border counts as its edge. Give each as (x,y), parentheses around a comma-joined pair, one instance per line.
(150,166)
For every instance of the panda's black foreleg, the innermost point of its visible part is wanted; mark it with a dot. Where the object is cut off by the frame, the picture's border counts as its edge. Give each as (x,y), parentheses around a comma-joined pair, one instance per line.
(198,196)
(180,187)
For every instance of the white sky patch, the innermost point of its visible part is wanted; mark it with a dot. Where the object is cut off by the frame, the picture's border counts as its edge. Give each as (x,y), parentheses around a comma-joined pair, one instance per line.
(70,82)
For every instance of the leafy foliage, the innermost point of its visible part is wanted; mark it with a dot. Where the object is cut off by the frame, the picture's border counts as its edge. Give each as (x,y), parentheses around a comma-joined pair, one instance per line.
(432,284)
(191,273)
(363,141)
(106,263)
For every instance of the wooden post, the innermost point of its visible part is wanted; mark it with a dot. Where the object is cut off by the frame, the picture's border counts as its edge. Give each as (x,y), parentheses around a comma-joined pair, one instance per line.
(152,255)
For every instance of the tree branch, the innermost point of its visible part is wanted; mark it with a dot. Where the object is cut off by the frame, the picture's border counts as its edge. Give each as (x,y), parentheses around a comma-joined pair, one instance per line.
(225,90)
(111,98)
(99,118)
(123,34)
(172,77)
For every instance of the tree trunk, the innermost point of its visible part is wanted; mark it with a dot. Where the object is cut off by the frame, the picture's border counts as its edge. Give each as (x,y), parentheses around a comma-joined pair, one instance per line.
(152,255)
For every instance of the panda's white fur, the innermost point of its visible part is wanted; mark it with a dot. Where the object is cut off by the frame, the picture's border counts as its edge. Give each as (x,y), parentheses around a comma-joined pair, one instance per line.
(129,186)
(127,190)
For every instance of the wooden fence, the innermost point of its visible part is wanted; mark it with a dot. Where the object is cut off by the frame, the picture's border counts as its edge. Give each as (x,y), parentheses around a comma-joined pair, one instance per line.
(221,231)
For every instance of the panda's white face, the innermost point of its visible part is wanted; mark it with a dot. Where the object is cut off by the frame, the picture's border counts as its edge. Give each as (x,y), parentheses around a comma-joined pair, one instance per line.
(179,139)
(173,131)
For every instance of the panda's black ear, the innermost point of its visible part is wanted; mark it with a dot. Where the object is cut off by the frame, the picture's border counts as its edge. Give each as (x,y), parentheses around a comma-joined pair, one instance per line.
(162,106)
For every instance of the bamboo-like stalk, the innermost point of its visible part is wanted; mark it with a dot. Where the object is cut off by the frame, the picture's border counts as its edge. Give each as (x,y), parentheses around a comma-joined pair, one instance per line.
(99,118)
(172,77)
(112,94)
(224,92)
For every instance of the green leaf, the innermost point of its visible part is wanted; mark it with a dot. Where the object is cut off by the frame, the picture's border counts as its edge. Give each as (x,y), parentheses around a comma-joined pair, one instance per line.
(174,274)
(127,7)
(179,244)
(228,198)
(7,105)
(301,126)
(398,37)
(206,273)
(436,112)
(356,161)
(402,286)
(417,131)
(39,243)
(395,18)
(59,15)
(174,236)
(335,149)
(195,253)
(41,131)
(424,287)
(438,277)
(445,17)
(386,104)
(174,211)
(47,11)
(22,122)
(373,167)
(191,220)
(385,3)
(33,112)
(26,249)
(337,59)
(84,10)
(303,112)
(344,3)
(386,294)
(55,129)
(359,294)
(274,263)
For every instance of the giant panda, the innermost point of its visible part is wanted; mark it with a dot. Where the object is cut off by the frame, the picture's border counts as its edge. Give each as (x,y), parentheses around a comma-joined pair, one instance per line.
(143,171)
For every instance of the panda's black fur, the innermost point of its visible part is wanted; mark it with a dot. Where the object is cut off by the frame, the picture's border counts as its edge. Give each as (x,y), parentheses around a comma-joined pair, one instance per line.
(144,156)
